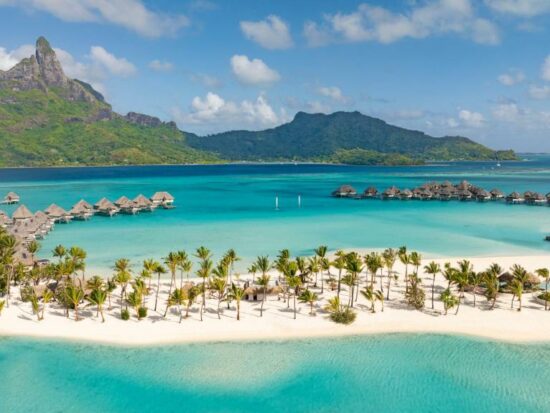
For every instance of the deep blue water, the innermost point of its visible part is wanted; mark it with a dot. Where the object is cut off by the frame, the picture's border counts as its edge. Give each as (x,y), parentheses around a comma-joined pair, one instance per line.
(391,373)
(233,206)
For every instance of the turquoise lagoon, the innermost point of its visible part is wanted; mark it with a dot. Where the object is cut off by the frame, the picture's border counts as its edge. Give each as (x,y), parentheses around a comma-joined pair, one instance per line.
(390,373)
(233,206)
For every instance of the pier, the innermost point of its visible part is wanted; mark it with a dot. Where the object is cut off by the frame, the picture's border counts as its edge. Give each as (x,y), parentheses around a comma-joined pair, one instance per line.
(444,191)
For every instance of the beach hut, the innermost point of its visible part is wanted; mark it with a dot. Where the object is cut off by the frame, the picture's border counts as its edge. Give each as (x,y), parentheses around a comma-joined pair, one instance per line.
(514,198)
(120,201)
(464,194)
(483,195)
(464,186)
(105,207)
(497,194)
(58,214)
(344,191)
(405,194)
(84,204)
(445,193)
(446,184)
(144,204)
(80,212)
(426,195)
(370,192)
(11,198)
(390,193)
(536,198)
(128,207)
(166,200)
(21,214)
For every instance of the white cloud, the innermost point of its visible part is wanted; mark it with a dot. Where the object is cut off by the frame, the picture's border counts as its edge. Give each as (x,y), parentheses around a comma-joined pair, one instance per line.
(508,111)
(332,92)
(271,33)
(130,14)
(373,23)
(215,112)
(452,123)
(545,71)
(539,92)
(161,65)
(8,59)
(118,66)
(513,77)
(208,81)
(317,107)
(471,119)
(253,72)
(523,8)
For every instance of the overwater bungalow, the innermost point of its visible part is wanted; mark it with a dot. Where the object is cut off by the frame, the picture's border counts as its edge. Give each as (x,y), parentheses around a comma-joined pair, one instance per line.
(58,214)
(144,204)
(548,198)
(463,186)
(515,198)
(11,198)
(80,212)
(105,207)
(536,198)
(370,192)
(46,222)
(22,213)
(445,193)
(166,200)
(405,194)
(464,195)
(128,207)
(344,191)
(4,219)
(483,195)
(497,194)
(120,201)
(391,193)
(426,194)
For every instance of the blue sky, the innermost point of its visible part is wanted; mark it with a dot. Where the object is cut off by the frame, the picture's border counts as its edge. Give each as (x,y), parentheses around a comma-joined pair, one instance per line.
(446,67)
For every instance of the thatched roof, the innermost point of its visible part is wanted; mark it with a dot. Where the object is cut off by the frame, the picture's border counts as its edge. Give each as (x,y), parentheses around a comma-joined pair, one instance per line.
(40,216)
(406,192)
(142,201)
(497,192)
(83,204)
(463,185)
(483,194)
(55,211)
(340,191)
(122,200)
(371,190)
(22,213)
(162,197)
(514,195)
(11,196)
(104,203)
(79,209)
(392,190)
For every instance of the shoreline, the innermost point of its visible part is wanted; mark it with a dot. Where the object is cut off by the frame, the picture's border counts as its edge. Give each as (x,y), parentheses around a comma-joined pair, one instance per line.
(531,325)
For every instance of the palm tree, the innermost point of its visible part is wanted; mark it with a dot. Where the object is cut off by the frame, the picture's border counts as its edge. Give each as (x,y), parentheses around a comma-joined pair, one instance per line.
(253,269)
(340,264)
(433,269)
(97,297)
(449,300)
(78,258)
(476,278)
(373,261)
(59,252)
(389,255)
(33,248)
(231,257)
(405,260)
(263,265)
(522,276)
(237,294)
(492,284)
(159,269)
(314,267)
(517,289)
(122,277)
(184,265)
(177,298)
(310,298)
(324,264)
(293,282)
(149,267)
(172,262)
(369,294)
(135,299)
(545,274)
(302,265)
(46,298)
(203,272)
(192,294)
(95,283)
(219,285)
(353,269)
(461,278)
(416,260)
(74,295)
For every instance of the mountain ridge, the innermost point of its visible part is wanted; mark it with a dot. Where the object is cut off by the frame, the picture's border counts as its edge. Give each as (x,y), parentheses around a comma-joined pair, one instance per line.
(48,119)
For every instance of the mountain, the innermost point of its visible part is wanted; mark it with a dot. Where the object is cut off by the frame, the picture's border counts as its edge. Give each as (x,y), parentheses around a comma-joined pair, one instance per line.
(348,137)
(48,119)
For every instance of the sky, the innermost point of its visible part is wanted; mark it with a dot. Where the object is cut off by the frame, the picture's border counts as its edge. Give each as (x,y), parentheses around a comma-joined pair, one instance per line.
(479,68)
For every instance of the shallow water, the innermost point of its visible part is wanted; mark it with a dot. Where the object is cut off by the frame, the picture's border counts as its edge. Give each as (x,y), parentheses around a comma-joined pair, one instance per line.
(233,206)
(390,373)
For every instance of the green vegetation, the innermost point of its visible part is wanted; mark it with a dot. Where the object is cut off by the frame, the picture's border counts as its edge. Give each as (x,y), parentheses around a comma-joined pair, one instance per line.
(345,137)
(39,129)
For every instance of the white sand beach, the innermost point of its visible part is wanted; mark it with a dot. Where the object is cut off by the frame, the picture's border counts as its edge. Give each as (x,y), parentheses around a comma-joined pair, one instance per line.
(503,323)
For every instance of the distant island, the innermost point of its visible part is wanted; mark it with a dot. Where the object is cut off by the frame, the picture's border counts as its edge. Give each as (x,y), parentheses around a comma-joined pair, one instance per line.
(47,119)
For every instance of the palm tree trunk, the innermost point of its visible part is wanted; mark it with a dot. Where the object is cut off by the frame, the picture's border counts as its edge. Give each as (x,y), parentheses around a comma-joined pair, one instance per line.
(157,293)
(433,289)
(381,281)
(262,305)
(459,301)
(389,285)
(219,302)
(475,287)
(546,296)
(102,316)
(295,305)
(407,279)
(339,283)
(238,310)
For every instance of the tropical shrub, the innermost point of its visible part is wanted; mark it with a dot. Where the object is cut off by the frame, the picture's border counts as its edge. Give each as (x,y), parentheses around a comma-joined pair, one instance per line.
(125,314)
(142,312)
(344,316)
